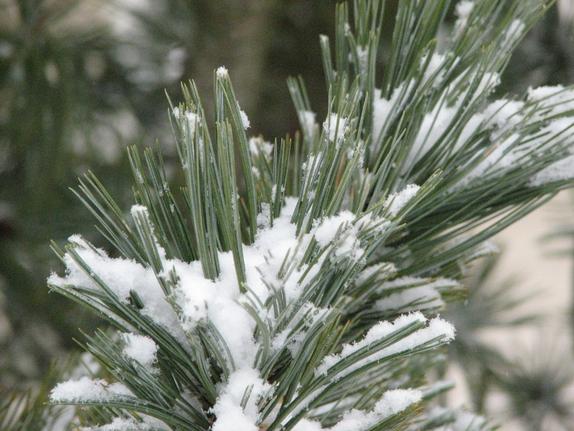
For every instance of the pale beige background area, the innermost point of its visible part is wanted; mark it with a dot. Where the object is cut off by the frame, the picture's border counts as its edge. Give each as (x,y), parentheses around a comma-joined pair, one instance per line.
(531,260)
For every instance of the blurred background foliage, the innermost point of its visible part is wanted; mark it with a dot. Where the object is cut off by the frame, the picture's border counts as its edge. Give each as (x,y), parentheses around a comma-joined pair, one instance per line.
(82,79)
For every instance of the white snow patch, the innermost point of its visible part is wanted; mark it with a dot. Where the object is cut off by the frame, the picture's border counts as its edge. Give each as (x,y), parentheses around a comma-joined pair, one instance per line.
(244,119)
(554,100)
(307,425)
(308,122)
(230,415)
(384,110)
(222,72)
(130,424)
(436,329)
(397,201)
(392,402)
(513,33)
(363,58)
(86,389)
(191,119)
(462,11)
(141,349)
(121,276)
(335,128)
(557,171)
(258,146)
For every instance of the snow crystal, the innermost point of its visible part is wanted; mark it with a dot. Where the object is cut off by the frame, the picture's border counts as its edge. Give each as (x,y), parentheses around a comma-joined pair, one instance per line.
(88,363)
(222,72)
(307,119)
(504,113)
(397,201)
(192,119)
(383,109)
(415,298)
(463,10)
(499,156)
(244,120)
(392,402)
(121,276)
(396,401)
(557,171)
(435,64)
(257,146)
(130,424)
(556,100)
(220,300)
(363,58)
(432,128)
(307,425)
(513,33)
(228,410)
(378,271)
(487,84)
(328,228)
(335,128)
(140,348)
(341,231)
(436,329)
(86,389)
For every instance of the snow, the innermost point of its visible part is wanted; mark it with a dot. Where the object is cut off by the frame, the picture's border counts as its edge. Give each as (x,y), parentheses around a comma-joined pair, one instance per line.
(307,425)
(557,171)
(487,83)
(504,113)
(341,232)
(514,32)
(435,329)
(141,349)
(432,128)
(244,119)
(363,59)
(228,410)
(554,100)
(396,401)
(499,157)
(397,201)
(191,119)
(222,72)
(258,146)
(435,68)
(121,276)
(377,272)
(335,128)
(392,402)
(87,390)
(415,298)
(220,300)
(384,108)
(499,116)
(328,228)
(130,424)
(308,122)
(462,11)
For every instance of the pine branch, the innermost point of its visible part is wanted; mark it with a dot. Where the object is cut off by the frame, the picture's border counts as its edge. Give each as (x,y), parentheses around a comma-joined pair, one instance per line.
(297,286)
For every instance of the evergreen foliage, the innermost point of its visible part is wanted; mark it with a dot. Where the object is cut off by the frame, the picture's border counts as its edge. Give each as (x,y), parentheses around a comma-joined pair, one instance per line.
(296,285)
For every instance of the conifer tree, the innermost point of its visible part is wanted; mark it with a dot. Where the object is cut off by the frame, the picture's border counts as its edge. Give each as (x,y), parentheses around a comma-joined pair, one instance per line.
(297,285)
